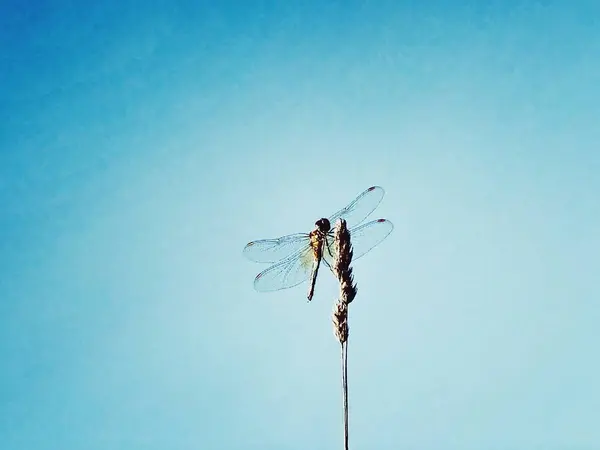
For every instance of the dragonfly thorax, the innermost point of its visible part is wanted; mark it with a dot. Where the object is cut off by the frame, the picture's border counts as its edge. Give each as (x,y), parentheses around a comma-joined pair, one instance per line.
(317,237)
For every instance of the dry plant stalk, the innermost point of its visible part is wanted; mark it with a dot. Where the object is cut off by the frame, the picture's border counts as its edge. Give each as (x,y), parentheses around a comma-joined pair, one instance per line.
(343,272)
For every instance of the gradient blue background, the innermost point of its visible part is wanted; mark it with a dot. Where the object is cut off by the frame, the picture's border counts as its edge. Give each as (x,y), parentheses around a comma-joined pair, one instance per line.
(143,144)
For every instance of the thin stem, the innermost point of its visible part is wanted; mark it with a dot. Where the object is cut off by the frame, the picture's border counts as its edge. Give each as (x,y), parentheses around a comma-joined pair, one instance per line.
(344,348)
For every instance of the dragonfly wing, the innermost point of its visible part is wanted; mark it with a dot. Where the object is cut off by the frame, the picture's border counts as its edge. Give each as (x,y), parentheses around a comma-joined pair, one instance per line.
(287,273)
(363,238)
(360,208)
(273,250)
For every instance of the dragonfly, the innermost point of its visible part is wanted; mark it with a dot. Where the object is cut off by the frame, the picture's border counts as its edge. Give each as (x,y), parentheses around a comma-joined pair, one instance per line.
(297,257)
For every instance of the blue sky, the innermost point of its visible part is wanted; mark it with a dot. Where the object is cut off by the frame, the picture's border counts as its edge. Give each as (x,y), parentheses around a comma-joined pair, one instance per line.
(143,144)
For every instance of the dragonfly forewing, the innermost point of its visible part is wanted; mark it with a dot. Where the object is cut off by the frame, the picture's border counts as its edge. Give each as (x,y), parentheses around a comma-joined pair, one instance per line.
(360,208)
(273,250)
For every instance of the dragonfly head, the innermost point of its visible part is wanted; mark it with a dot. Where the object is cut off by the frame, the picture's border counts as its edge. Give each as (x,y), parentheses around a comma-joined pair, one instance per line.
(323,225)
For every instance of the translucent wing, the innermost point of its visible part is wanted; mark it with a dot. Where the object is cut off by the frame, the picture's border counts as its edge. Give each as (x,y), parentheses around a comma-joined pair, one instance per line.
(360,208)
(273,250)
(287,273)
(363,239)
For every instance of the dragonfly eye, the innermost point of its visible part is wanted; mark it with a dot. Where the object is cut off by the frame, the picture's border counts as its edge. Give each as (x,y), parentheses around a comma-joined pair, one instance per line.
(323,225)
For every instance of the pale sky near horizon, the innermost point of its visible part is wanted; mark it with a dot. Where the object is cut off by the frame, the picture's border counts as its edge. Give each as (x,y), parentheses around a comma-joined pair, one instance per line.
(143,144)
